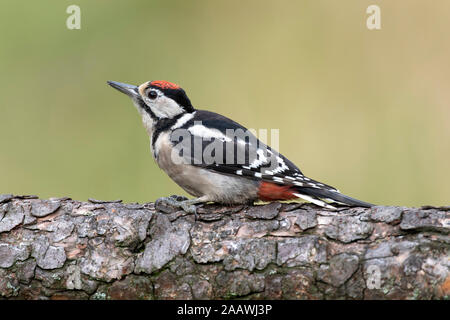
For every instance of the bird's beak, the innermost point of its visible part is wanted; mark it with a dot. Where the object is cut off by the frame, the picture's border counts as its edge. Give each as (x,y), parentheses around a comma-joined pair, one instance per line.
(129,89)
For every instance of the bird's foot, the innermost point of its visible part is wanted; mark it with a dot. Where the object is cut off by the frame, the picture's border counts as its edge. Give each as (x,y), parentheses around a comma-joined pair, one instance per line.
(178,202)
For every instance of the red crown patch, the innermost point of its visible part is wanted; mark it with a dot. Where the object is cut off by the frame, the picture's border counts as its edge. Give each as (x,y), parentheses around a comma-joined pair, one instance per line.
(164,84)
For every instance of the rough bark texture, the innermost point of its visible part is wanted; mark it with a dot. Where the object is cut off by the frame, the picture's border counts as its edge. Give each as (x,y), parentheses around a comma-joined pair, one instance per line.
(65,249)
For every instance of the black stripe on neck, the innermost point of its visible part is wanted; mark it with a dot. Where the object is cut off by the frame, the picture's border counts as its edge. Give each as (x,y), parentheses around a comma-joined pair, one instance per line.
(162,125)
(147,109)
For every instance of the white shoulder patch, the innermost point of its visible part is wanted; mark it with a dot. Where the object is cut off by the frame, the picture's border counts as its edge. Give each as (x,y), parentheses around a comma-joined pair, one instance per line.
(207,133)
(185,118)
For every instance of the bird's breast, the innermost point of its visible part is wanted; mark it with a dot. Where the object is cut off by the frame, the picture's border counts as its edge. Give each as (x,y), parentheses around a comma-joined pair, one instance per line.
(198,181)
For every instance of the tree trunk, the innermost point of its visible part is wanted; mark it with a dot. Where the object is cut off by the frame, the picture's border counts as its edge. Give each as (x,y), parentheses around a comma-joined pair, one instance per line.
(65,249)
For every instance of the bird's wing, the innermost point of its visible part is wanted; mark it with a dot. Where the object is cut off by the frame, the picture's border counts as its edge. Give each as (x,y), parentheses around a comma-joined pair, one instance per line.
(219,144)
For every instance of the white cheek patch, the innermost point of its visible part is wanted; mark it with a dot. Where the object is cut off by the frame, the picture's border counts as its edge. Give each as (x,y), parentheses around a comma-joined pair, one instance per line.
(167,107)
(164,107)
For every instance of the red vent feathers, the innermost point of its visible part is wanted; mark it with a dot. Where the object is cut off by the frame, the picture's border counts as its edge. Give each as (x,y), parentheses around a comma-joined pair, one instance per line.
(271,191)
(164,84)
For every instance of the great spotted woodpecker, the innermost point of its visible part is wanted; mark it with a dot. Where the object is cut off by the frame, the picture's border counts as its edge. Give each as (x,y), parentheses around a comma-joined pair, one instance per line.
(216,159)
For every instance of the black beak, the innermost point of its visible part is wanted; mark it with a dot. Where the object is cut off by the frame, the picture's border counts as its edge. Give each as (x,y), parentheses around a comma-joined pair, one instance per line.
(129,89)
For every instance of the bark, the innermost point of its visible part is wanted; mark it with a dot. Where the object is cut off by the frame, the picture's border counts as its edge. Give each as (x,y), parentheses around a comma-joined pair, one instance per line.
(66,249)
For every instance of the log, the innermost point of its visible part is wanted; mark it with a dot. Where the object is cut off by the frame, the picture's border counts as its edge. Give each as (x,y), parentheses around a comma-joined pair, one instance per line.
(67,249)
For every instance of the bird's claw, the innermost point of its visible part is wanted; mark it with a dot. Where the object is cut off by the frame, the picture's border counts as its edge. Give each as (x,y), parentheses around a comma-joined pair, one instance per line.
(179,202)
(189,208)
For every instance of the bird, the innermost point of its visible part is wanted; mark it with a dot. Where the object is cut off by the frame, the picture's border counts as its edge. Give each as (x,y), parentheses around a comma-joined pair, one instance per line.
(215,159)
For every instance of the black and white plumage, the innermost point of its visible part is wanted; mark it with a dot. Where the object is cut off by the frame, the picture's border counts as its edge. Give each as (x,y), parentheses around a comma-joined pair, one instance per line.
(215,158)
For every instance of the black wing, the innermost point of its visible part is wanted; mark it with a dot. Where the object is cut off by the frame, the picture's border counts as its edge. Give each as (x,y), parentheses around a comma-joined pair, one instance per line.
(219,144)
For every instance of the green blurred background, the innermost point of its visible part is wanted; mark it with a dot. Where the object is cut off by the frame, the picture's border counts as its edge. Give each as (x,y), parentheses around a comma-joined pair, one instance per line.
(365,111)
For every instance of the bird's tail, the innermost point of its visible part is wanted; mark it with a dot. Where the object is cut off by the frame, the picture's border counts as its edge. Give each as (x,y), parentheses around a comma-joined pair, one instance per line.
(322,197)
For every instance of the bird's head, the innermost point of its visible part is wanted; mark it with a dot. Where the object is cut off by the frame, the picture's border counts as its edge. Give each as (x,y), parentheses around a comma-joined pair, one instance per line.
(157,99)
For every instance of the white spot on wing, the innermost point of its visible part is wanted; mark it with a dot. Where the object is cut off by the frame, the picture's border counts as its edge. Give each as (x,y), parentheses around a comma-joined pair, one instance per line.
(261,159)
(281,166)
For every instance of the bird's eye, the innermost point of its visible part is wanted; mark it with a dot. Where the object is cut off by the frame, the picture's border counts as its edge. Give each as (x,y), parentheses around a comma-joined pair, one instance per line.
(152,94)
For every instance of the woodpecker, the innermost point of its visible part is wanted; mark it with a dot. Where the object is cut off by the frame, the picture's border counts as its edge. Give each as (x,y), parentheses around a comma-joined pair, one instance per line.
(211,161)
